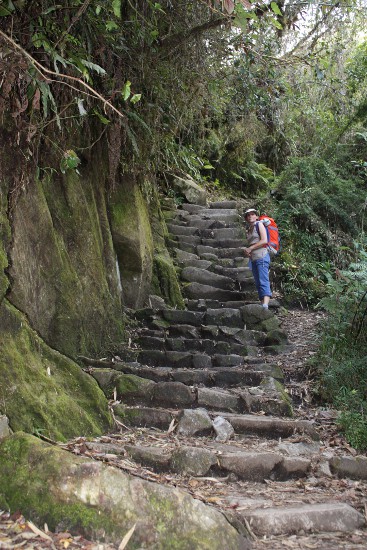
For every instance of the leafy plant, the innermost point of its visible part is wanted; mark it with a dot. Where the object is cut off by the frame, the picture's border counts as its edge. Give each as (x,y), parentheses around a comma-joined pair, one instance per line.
(342,357)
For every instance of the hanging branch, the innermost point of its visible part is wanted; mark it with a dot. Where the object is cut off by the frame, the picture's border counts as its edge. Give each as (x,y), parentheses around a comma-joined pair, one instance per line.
(77,16)
(43,71)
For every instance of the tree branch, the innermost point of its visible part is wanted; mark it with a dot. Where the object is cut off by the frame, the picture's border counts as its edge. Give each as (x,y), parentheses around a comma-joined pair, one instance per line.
(312,31)
(173,40)
(43,71)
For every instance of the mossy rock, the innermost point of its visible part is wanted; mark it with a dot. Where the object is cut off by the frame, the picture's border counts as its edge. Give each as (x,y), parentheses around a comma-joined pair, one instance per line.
(275,337)
(63,266)
(282,405)
(165,282)
(83,496)
(133,241)
(42,390)
(128,387)
(5,237)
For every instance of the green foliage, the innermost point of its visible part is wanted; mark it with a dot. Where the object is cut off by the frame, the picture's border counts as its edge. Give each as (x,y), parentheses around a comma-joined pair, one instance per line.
(342,357)
(319,214)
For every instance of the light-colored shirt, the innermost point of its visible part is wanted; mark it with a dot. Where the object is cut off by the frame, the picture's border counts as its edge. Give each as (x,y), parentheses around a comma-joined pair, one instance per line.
(252,238)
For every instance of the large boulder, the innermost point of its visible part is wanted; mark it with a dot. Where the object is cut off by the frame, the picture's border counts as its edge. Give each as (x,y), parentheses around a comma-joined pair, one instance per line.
(190,190)
(86,497)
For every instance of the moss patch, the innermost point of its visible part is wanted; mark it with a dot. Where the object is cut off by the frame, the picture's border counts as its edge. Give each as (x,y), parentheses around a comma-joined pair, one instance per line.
(127,386)
(133,241)
(42,390)
(165,283)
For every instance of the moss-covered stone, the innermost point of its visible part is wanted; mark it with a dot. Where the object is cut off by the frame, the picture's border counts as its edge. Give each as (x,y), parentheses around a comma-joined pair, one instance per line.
(63,266)
(283,404)
(165,282)
(4,242)
(132,237)
(86,497)
(128,387)
(42,390)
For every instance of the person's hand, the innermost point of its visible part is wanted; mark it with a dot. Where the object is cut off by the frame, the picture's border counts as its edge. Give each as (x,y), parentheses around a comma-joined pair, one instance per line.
(247,252)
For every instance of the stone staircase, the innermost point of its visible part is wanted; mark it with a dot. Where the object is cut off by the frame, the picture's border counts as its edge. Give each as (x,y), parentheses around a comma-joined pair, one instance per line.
(200,397)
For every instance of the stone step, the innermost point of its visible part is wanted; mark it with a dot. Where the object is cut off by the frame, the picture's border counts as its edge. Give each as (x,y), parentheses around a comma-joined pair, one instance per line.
(182,230)
(196,462)
(198,223)
(185,359)
(271,427)
(184,240)
(223,233)
(215,333)
(251,374)
(202,276)
(193,345)
(307,518)
(228,253)
(217,213)
(196,291)
(236,273)
(245,424)
(193,208)
(133,390)
(223,243)
(223,204)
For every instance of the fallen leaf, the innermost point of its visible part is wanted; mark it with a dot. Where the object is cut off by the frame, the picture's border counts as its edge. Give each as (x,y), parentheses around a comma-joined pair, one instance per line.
(126,538)
(38,531)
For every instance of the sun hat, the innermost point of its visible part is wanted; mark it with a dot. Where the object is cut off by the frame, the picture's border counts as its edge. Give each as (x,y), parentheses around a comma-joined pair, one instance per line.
(249,211)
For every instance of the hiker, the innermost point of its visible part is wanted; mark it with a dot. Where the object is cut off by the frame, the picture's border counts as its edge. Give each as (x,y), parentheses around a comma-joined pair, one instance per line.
(259,256)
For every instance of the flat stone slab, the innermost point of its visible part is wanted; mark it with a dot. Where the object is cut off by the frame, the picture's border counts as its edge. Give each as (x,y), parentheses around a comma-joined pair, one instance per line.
(199,290)
(173,394)
(153,457)
(308,518)
(272,427)
(144,417)
(182,230)
(255,466)
(223,233)
(181,316)
(347,466)
(230,253)
(218,399)
(193,461)
(224,316)
(223,204)
(197,275)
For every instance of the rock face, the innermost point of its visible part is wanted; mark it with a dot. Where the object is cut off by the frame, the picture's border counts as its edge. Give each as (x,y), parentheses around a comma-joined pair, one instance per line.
(84,496)
(63,264)
(42,389)
(72,253)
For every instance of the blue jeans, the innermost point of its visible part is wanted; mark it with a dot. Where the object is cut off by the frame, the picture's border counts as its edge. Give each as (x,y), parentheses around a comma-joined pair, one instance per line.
(260,271)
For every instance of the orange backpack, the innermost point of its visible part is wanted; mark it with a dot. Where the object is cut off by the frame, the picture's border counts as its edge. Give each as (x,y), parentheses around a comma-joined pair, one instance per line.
(272,232)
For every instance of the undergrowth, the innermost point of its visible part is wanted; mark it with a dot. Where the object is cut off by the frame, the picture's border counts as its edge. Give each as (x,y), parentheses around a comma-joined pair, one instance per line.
(319,214)
(341,363)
